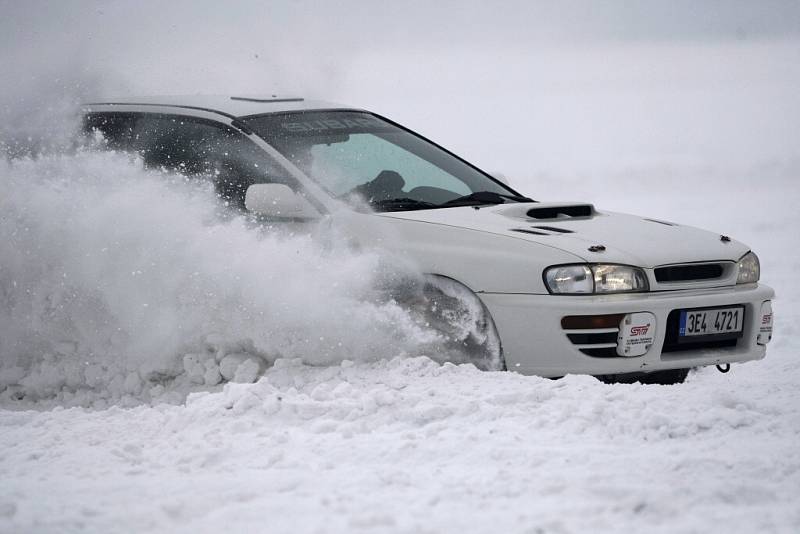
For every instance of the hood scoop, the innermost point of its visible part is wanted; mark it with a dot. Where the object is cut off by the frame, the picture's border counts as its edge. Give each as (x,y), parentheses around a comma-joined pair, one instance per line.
(568,211)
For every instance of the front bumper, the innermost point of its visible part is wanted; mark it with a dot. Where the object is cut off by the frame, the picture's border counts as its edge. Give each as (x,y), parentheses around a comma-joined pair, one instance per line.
(535,343)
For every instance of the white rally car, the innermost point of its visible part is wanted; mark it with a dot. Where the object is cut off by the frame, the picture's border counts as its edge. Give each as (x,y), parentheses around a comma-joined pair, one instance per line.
(554,287)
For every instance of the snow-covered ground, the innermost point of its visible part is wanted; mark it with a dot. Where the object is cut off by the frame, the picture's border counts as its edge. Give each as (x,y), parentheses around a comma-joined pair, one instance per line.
(134,278)
(406,445)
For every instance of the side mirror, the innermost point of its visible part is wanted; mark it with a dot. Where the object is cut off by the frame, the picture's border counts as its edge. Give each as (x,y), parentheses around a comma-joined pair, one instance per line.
(278,201)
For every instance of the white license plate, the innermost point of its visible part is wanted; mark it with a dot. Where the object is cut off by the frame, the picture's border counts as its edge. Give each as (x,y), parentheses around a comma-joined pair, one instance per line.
(711,322)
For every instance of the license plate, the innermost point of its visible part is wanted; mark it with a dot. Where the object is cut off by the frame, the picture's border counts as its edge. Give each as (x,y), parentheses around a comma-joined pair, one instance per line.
(711,321)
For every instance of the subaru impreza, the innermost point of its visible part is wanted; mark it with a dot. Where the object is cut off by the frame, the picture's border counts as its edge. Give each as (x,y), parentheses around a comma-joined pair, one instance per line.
(551,288)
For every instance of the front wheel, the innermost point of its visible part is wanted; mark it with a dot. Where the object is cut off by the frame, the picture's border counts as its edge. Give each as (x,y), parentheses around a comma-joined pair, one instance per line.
(467,333)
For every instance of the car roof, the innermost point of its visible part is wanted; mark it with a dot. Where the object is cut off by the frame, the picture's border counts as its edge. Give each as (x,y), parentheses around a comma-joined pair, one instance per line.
(233,106)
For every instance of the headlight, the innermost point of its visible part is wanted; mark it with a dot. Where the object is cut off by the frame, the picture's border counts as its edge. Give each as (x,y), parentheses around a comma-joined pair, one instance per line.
(569,279)
(749,269)
(618,278)
(587,279)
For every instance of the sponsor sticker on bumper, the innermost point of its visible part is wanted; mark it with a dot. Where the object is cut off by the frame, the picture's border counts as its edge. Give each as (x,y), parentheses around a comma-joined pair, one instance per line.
(636,334)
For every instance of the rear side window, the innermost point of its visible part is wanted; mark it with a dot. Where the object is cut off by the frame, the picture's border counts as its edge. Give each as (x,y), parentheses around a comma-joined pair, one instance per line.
(192,147)
(189,146)
(116,129)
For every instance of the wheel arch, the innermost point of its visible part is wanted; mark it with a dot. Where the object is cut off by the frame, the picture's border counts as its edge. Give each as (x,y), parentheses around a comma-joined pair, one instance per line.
(444,282)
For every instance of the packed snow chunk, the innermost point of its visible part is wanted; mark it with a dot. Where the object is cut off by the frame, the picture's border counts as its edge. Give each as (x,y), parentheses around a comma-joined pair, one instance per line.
(212,376)
(241,368)
(194,367)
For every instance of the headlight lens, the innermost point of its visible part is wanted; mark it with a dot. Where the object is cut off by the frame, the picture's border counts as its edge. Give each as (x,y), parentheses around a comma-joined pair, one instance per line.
(570,279)
(618,278)
(749,269)
(602,278)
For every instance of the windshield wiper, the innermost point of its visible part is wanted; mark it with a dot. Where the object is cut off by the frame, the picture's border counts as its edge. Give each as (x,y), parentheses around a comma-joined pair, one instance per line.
(477,198)
(484,197)
(402,204)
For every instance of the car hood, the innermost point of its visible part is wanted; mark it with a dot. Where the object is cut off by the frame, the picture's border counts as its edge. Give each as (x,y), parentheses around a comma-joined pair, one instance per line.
(576,228)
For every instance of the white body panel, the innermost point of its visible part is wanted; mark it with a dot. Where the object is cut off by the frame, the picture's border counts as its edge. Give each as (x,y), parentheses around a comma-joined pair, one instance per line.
(628,239)
(483,249)
(483,261)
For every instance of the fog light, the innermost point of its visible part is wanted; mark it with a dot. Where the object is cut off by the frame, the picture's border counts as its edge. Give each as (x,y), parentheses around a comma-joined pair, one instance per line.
(637,331)
(765,323)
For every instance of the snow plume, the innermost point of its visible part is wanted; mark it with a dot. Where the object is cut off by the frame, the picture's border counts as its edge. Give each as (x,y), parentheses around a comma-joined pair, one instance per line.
(122,284)
(39,102)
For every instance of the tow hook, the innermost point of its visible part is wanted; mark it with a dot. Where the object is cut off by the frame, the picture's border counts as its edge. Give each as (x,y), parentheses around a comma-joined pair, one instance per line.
(724,368)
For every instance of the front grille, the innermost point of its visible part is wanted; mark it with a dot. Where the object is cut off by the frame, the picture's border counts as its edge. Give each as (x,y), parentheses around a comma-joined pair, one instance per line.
(672,344)
(689,272)
(593,335)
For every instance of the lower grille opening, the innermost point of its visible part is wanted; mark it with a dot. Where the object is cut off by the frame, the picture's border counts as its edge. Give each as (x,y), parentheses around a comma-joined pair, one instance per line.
(593,339)
(593,335)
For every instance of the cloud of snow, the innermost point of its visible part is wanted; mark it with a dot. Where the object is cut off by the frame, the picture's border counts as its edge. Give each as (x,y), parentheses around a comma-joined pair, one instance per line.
(123,281)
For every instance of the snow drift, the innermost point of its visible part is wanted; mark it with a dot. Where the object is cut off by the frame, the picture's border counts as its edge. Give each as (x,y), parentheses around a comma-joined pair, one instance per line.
(129,284)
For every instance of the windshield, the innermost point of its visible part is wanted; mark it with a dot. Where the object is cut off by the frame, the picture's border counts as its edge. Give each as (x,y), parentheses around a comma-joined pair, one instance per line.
(358,156)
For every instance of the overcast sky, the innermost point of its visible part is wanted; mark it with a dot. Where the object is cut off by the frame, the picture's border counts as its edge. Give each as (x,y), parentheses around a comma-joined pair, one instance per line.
(129,35)
(594,83)
(121,24)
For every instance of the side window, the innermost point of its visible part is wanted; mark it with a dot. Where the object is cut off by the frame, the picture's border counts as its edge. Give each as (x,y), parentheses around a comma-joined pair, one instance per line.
(116,129)
(208,150)
(182,145)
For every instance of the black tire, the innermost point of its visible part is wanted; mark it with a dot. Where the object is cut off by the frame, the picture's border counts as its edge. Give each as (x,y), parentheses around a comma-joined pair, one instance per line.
(458,315)
(667,377)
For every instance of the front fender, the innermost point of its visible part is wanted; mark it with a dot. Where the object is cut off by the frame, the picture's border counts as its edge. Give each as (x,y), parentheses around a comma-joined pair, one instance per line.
(482,261)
